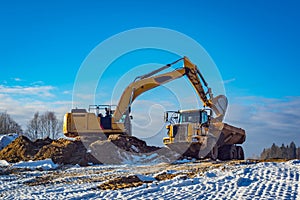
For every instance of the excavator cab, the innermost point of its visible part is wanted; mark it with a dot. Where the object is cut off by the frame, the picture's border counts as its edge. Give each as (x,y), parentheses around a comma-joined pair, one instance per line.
(104,114)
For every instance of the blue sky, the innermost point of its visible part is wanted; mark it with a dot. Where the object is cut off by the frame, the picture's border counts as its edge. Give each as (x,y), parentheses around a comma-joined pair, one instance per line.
(255,45)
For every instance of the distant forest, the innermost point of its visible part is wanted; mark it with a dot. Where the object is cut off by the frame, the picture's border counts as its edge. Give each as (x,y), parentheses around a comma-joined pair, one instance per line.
(284,152)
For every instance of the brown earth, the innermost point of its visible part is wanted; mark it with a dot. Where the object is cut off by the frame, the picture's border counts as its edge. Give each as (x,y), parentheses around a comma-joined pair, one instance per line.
(118,148)
(126,142)
(22,149)
(121,183)
(63,151)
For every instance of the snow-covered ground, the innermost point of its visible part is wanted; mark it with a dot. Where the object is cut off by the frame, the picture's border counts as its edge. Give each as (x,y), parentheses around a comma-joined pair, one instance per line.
(7,139)
(269,180)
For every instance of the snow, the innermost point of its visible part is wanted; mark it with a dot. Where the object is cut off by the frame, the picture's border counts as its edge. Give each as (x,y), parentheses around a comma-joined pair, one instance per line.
(270,180)
(244,181)
(184,161)
(210,174)
(145,178)
(133,159)
(39,164)
(62,136)
(134,148)
(4,163)
(7,139)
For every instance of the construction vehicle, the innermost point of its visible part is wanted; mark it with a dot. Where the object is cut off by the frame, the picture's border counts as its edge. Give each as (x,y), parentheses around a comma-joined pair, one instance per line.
(104,120)
(191,135)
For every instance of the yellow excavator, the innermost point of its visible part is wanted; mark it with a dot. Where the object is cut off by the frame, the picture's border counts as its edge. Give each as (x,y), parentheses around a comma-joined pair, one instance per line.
(188,137)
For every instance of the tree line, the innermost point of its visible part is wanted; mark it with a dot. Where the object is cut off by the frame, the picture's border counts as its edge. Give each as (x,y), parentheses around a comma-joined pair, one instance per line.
(8,125)
(284,152)
(39,127)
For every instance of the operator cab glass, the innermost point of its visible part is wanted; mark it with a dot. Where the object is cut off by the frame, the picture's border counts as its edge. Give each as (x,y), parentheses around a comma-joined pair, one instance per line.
(204,117)
(193,117)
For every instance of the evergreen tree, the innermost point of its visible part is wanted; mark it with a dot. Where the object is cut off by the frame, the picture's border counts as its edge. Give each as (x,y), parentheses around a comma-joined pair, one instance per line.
(285,152)
(292,150)
(275,151)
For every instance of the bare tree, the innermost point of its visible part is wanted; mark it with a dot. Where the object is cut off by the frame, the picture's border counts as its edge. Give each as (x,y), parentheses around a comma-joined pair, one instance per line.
(8,125)
(43,126)
(33,127)
(50,125)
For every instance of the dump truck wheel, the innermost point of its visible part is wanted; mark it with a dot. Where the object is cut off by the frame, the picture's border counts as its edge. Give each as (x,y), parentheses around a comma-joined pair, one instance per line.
(240,153)
(213,154)
(227,152)
(233,152)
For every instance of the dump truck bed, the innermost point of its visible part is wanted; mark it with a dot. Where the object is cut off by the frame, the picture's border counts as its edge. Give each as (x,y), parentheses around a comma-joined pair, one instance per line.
(232,135)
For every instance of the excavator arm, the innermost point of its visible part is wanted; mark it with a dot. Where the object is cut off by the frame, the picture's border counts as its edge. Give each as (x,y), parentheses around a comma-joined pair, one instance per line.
(217,104)
(150,81)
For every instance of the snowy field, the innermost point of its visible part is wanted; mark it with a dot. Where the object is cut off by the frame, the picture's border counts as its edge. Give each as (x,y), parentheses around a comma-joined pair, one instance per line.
(45,180)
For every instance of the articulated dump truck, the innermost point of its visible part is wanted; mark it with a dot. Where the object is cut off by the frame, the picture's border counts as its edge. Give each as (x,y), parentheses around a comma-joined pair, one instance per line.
(198,133)
(190,134)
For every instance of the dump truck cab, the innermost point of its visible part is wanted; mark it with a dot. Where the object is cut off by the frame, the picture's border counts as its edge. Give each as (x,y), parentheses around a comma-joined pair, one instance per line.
(186,125)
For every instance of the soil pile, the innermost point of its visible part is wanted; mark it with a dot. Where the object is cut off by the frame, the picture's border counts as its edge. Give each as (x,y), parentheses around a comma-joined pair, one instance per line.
(63,151)
(121,183)
(131,144)
(119,149)
(22,149)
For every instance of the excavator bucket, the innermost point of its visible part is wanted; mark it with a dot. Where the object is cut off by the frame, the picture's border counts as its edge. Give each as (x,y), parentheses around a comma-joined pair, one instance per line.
(219,106)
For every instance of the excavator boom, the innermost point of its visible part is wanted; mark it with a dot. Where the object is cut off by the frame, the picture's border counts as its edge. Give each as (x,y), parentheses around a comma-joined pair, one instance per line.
(149,81)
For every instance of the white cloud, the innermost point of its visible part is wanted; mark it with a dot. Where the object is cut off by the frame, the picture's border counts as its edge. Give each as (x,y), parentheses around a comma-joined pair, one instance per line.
(21,102)
(148,123)
(22,110)
(17,79)
(67,92)
(229,81)
(37,83)
(266,121)
(42,91)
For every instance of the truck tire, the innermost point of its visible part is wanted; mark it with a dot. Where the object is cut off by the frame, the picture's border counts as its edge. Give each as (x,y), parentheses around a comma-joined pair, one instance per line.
(213,147)
(240,153)
(227,152)
(213,154)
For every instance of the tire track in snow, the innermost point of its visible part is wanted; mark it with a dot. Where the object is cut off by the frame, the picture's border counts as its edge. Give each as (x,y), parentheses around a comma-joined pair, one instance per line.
(254,181)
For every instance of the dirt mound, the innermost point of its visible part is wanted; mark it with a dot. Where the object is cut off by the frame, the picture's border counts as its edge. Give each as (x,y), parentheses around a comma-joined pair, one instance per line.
(131,143)
(65,151)
(118,149)
(123,182)
(22,149)
(61,151)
